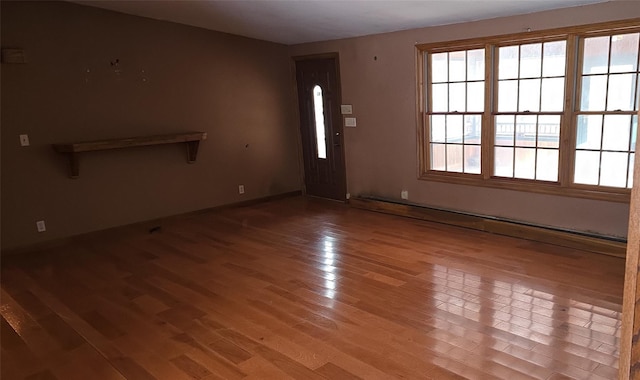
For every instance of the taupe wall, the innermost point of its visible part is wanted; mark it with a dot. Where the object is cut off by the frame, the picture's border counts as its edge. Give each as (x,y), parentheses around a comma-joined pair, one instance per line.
(236,89)
(381,150)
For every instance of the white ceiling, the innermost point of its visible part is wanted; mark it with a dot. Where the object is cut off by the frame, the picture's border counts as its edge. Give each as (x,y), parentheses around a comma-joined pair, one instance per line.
(298,21)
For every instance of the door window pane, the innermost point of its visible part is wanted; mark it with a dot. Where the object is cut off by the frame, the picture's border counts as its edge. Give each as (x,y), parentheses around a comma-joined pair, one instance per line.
(319,121)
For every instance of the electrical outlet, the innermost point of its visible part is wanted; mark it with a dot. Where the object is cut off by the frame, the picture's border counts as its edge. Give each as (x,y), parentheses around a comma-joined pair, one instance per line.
(41,226)
(24,140)
(404,194)
(348,196)
(240,189)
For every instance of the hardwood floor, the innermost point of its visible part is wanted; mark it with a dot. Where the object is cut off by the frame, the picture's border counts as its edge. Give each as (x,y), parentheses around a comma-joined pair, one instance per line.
(309,289)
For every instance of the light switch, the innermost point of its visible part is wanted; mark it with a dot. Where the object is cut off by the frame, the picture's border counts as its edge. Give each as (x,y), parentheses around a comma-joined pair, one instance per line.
(24,140)
(349,121)
(346,109)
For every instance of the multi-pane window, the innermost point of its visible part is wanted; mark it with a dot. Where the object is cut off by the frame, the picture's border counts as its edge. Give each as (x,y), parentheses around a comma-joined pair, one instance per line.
(555,111)
(607,120)
(457,104)
(530,105)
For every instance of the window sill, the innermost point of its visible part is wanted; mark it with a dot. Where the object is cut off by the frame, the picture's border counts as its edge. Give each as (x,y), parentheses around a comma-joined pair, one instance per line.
(576,191)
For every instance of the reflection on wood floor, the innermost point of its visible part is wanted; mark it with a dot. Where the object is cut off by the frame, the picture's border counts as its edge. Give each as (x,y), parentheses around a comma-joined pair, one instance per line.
(307,289)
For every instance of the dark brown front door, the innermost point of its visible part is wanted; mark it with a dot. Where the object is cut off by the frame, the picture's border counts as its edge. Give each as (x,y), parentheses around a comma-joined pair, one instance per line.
(321,127)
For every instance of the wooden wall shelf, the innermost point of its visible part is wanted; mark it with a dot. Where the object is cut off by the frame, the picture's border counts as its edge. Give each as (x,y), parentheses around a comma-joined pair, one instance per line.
(73,150)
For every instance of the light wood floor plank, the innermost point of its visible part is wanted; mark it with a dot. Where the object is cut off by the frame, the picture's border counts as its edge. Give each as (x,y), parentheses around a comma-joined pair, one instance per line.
(303,288)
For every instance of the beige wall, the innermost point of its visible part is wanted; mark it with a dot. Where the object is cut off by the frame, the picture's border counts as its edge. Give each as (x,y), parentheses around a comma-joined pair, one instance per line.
(236,89)
(381,150)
